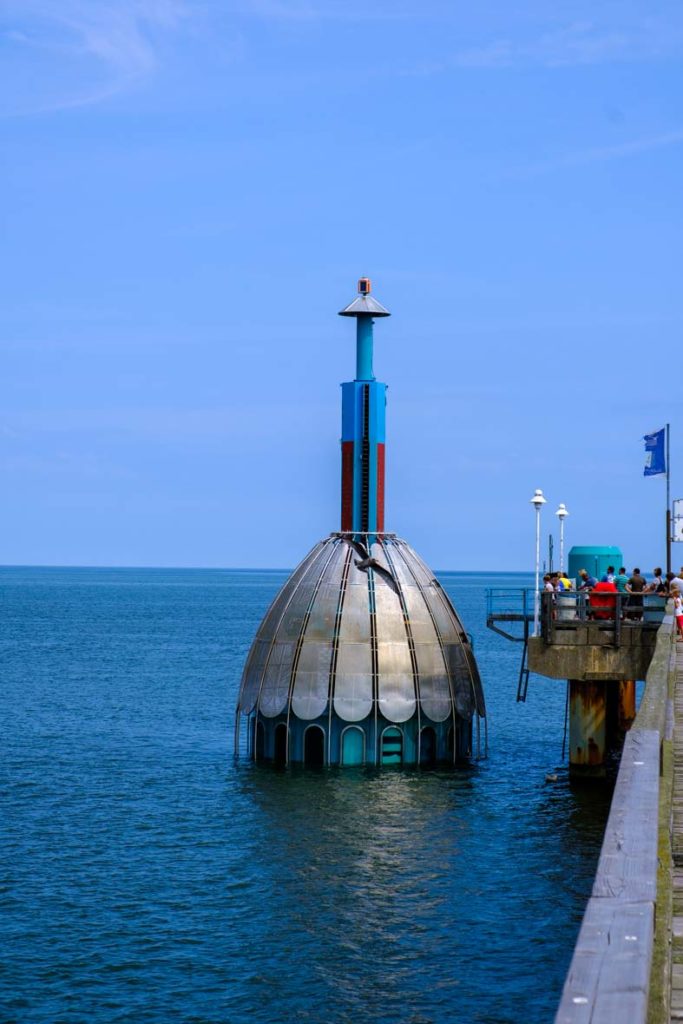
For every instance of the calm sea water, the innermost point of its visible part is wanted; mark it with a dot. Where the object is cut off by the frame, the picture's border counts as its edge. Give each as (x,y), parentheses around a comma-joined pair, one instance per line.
(146,877)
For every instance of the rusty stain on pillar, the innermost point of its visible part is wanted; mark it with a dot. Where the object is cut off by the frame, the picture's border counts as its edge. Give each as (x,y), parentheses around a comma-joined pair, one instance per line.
(627,704)
(587,732)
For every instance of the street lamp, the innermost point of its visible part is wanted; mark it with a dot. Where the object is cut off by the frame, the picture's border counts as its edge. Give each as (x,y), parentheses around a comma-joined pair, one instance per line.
(538,501)
(562,515)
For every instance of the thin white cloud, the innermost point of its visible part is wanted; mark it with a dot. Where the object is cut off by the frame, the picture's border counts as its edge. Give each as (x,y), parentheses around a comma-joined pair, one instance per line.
(89,49)
(327,10)
(581,42)
(578,43)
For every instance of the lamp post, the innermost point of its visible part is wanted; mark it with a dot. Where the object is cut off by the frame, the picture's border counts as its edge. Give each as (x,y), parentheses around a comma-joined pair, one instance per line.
(538,501)
(561,515)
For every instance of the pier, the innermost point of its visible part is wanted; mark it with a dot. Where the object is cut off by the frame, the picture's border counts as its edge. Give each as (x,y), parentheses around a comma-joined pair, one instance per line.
(621,969)
(628,959)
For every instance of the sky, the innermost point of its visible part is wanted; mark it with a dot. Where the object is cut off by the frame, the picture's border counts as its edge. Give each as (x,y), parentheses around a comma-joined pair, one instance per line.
(191,190)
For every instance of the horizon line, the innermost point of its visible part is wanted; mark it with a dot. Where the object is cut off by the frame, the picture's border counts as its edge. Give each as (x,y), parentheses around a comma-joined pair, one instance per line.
(230,568)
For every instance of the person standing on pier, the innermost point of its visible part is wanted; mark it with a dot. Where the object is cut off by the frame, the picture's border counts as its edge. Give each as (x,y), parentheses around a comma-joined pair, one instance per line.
(678,610)
(636,587)
(620,582)
(658,585)
(564,582)
(603,606)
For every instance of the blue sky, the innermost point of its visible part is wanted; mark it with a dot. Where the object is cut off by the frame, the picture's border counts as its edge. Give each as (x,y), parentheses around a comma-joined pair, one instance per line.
(191,191)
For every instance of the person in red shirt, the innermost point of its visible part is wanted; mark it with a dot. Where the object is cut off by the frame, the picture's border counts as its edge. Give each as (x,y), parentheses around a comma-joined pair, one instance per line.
(601,605)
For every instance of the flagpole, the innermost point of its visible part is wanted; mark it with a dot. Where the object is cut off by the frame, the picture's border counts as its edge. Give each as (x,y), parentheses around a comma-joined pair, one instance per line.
(668,504)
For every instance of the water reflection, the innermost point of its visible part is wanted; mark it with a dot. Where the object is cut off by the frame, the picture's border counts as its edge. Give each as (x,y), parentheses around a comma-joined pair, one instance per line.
(364,864)
(400,888)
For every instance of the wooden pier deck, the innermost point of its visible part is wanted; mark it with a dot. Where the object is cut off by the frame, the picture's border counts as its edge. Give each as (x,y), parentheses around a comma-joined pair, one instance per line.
(676,1002)
(628,955)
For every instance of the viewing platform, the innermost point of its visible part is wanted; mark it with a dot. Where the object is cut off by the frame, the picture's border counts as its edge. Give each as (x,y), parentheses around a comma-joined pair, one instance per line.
(600,642)
(567,611)
(581,635)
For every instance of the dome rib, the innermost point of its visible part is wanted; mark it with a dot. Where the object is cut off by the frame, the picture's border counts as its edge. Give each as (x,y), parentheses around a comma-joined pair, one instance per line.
(355,669)
(307,694)
(274,691)
(409,634)
(253,673)
(440,708)
(439,638)
(395,672)
(437,593)
(332,684)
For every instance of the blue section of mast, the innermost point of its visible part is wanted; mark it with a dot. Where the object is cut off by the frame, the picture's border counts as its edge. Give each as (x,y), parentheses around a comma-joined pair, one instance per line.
(364,326)
(352,410)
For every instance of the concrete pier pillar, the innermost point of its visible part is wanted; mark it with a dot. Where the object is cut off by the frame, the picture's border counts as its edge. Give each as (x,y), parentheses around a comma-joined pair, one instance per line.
(587,726)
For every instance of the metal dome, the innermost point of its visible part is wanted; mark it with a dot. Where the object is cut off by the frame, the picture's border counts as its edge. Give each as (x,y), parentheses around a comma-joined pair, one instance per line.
(357,632)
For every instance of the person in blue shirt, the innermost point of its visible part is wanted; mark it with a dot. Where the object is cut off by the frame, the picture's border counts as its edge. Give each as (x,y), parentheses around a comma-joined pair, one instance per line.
(621,580)
(587,581)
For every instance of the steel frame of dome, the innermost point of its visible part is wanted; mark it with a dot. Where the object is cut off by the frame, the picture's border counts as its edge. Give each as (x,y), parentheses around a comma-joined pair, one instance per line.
(363,635)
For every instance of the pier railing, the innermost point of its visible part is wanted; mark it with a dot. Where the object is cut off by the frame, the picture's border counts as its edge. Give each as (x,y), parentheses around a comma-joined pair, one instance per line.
(564,611)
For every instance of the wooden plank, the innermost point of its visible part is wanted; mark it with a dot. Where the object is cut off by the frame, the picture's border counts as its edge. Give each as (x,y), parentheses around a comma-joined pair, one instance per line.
(628,861)
(677,798)
(674,730)
(609,976)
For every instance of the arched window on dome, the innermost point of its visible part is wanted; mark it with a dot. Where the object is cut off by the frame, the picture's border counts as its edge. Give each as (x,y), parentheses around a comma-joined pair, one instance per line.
(427,746)
(280,752)
(314,746)
(353,746)
(392,746)
(260,745)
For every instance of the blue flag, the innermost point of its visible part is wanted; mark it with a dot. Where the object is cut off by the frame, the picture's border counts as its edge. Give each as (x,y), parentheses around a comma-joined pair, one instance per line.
(655,459)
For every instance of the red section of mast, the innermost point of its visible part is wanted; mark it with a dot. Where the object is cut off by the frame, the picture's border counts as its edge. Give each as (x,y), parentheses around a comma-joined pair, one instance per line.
(380,488)
(347,487)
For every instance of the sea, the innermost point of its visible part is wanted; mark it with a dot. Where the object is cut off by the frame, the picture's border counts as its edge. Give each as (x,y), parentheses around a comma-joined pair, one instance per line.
(148,876)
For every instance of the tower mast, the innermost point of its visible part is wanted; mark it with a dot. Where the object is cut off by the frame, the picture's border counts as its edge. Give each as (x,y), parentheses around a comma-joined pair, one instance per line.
(363,426)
